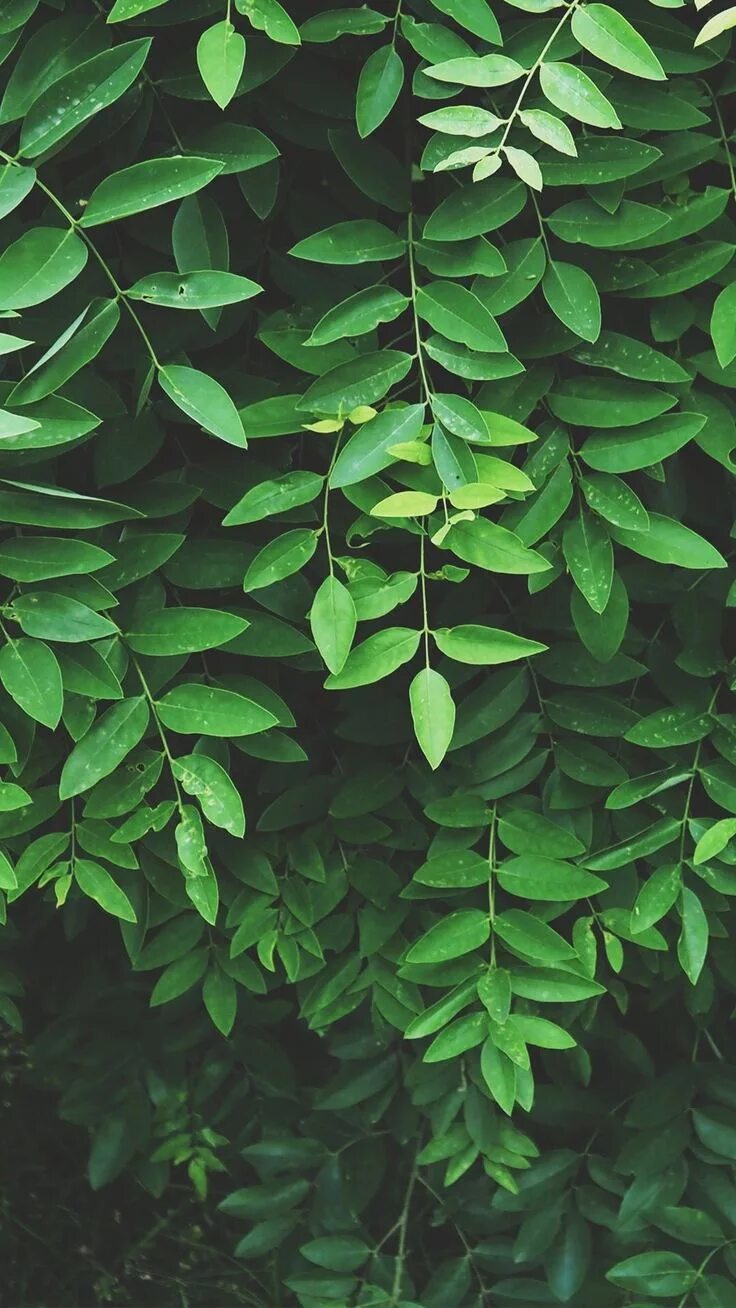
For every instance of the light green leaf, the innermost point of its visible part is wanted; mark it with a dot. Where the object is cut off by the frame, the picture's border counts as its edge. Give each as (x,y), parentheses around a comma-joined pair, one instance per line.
(97,884)
(180,630)
(360,241)
(692,946)
(482,70)
(220,59)
(589,556)
(461,120)
(723,325)
(668,541)
(549,129)
(377,657)
(485,646)
(433,714)
(568,88)
(714,840)
(333,620)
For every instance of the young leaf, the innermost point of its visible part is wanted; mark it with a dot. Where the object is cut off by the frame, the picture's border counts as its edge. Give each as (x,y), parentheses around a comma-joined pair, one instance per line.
(220,59)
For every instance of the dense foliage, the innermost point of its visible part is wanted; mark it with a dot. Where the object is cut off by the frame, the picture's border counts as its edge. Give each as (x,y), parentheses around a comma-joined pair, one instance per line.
(368,808)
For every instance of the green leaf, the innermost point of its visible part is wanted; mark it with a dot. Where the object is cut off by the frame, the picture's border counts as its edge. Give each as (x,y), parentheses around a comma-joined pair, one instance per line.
(589,556)
(627,449)
(573,297)
(379,87)
(95,882)
(30,673)
(475,210)
(204,778)
(79,95)
(367,451)
(457,934)
(461,120)
(277,496)
(219,996)
(487,646)
(194,709)
(281,558)
(459,315)
(220,59)
(568,88)
(57,617)
(333,620)
(494,548)
(203,400)
(656,897)
(533,876)
(145,186)
(194,290)
(549,129)
(363,380)
(668,541)
(527,935)
(692,946)
(660,1273)
(670,726)
(714,840)
(183,631)
(270,17)
(39,265)
(359,314)
(610,37)
(723,325)
(483,71)
(16,183)
(109,740)
(433,714)
(376,658)
(474,15)
(360,241)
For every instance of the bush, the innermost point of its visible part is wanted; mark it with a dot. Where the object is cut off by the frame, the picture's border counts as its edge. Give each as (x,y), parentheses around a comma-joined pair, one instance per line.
(370,759)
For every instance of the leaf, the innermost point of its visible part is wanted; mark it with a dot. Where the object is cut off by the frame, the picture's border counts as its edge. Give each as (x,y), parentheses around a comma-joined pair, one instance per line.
(51,616)
(69,354)
(475,210)
(525,166)
(714,840)
(433,714)
(540,878)
(359,314)
(30,673)
(570,89)
(333,620)
(670,726)
(668,541)
(95,882)
(405,504)
(270,17)
(16,182)
(457,934)
(379,87)
(203,400)
(367,451)
(364,380)
(39,265)
(183,631)
(104,746)
(459,315)
(723,324)
(573,297)
(271,497)
(589,556)
(360,241)
(486,646)
(193,709)
(220,59)
(610,37)
(716,26)
(526,934)
(145,186)
(692,946)
(280,558)
(549,129)
(461,120)
(193,290)
(80,94)
(494,548)
(377,657)
(483,71)
(656,897)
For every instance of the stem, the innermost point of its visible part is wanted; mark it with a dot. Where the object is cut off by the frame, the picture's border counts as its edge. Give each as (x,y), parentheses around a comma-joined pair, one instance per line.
(425,611)
(532,74)
(79,231)
(417,335)
(325,505)
(162,734)
(491,883)
(403,1227)
(691,783)
(724,138)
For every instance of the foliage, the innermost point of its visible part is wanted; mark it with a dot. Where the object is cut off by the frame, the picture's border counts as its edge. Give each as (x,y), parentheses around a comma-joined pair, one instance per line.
(369,796)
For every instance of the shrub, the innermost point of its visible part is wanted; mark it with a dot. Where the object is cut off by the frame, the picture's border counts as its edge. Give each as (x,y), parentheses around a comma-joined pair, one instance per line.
(370,759)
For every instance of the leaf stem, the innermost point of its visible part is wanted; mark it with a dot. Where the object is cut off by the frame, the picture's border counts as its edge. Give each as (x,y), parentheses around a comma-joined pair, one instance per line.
(417,334)
(159,727)
(532,74)
(425,609)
